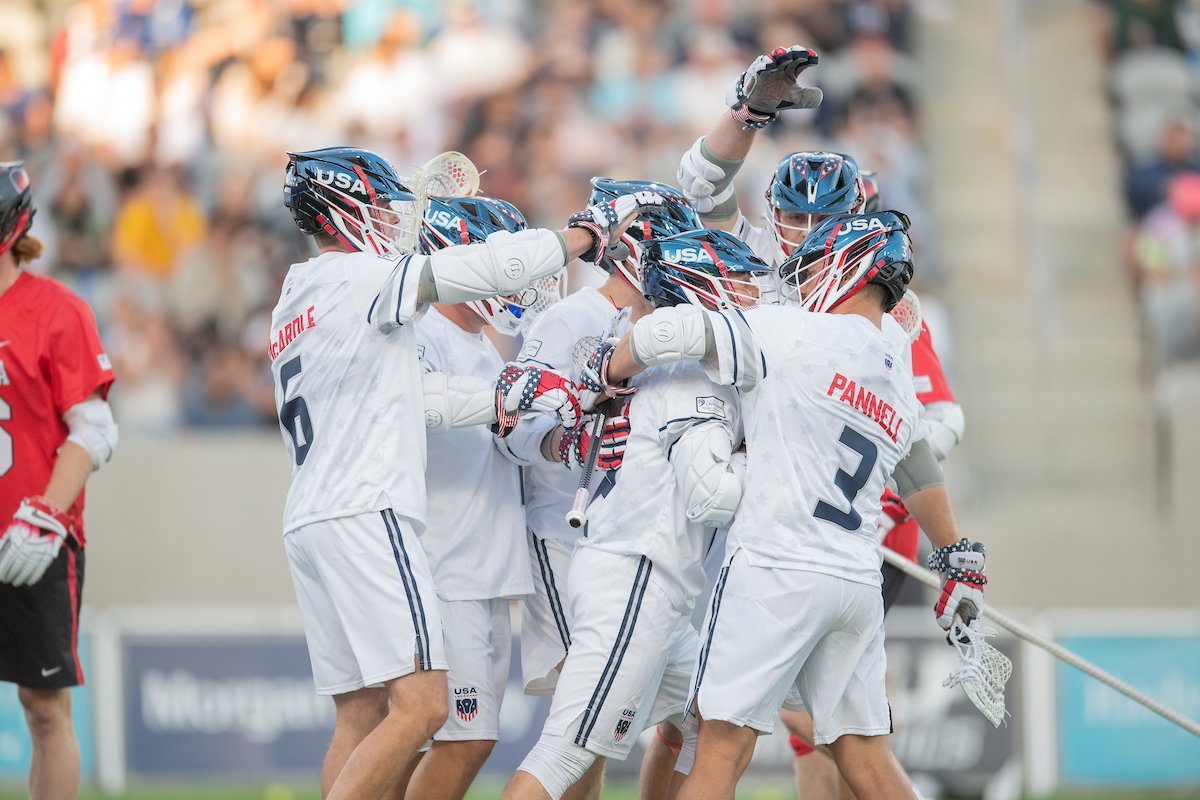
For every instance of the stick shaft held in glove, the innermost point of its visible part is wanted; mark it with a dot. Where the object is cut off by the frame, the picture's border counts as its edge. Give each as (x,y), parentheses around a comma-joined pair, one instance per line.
(576,518)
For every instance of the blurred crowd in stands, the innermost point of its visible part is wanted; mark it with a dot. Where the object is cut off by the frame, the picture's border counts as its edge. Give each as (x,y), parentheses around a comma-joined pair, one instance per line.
(155,132)
(1153,47)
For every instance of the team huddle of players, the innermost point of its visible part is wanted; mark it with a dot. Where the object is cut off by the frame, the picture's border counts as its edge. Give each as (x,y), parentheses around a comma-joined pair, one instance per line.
(724,378)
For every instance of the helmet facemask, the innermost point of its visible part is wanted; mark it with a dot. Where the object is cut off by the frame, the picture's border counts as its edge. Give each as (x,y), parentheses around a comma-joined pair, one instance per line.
(513,313)
(824,277)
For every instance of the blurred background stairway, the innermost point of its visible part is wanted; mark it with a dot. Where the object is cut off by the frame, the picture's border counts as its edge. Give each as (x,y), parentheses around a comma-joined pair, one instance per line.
(1058,472)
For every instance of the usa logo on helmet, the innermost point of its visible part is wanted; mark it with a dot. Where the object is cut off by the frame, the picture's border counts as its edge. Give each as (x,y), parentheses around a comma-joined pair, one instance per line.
(624,723)
(466,704)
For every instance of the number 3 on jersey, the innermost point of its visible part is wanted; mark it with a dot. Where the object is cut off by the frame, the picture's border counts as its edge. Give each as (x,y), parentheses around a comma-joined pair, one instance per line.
(850,485)
(293,414)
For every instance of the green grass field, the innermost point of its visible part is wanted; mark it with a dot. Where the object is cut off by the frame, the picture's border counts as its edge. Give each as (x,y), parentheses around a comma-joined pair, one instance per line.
(616,790)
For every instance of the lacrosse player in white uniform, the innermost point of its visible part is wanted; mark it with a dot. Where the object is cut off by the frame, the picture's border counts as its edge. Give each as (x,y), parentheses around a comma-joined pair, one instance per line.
(807,187)
(562,339)
(349,392)
(830,413)
(635,575)
(474,532)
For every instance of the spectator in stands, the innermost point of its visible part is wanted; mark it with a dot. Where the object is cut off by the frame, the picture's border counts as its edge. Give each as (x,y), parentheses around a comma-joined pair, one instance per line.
(156,225)
(1146,185)
(1123,24)
(1166,266)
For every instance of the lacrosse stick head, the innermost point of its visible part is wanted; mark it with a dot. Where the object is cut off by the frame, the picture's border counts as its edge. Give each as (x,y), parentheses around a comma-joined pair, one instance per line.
(982,672)
(449,174)
(353,196)
(908,313)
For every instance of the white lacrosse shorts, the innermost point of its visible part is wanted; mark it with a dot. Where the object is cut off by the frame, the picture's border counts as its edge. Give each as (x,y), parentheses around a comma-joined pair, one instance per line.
(545,616)
(366,597)
(478,648)
(768,629)
(615,681)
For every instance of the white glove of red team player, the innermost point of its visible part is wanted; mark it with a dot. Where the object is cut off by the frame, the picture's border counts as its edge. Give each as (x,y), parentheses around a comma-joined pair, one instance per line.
(534,389)
(32,541)
(962,566)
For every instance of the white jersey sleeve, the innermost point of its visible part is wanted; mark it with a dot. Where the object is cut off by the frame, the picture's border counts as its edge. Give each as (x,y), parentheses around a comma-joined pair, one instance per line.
(349,397)
(644,508)
(475,524)
(829,417)
(395,302)
(758,239)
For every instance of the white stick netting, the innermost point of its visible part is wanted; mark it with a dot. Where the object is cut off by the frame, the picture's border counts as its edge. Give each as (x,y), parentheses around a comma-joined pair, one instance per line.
(908,313)
(982,673)
(449,174)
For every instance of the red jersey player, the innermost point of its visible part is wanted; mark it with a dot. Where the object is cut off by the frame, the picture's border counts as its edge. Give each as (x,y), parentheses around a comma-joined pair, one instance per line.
(55,429)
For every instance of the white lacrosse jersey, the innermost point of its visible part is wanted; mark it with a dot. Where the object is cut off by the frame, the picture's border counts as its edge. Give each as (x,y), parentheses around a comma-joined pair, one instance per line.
(829,410)
(475,525)
(643,512)
(574,323)
(350,401)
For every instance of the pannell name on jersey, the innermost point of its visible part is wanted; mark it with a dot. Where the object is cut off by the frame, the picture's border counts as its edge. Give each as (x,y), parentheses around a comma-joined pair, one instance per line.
(284,336)
(866,403)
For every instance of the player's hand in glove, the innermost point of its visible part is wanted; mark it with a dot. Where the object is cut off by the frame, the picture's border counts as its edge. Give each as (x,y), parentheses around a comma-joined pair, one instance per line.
(576,443)
(962,566)
(594,377)
(31,542)
(534,389)
(894,512)
(606,221)
(769,86)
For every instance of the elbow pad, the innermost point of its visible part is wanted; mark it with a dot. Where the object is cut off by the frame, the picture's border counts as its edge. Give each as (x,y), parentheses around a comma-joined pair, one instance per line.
(946,425)
(707,181)
(679,333)
(457,402)
(504,264)
(710,486)
(92,427)
(918,470)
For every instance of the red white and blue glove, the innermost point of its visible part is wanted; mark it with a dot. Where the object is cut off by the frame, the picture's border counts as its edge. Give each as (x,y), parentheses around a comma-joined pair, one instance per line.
(614,437)
(594,377)
(32,541)
(963,567)
(603,220)
(534,389)
(769,86)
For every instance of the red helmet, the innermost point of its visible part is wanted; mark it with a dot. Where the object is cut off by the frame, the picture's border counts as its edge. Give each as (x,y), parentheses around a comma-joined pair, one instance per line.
(16,203)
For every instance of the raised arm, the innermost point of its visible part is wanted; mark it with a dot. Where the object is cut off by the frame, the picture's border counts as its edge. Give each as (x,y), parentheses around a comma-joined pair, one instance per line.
(756,97)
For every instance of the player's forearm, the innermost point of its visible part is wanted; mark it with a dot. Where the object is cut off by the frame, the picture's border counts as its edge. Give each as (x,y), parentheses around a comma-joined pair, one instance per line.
(727,139)
(932,511)
(622,365)
(71,471)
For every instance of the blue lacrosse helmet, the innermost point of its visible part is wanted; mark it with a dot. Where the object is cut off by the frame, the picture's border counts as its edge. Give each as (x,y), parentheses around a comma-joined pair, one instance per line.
(451,221)
(676,216)
(816,184)
(353,195)
(707,268)
(466,220)
(845,253)
(873,201)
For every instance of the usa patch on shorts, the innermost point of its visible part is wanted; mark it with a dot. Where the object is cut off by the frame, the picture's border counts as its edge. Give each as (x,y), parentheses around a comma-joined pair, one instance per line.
(624,723)
(466,704)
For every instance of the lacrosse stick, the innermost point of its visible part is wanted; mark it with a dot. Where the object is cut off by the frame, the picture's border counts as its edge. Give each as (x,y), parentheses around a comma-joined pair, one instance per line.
(577,516)
(1055,649)
(908,313)
(449,174)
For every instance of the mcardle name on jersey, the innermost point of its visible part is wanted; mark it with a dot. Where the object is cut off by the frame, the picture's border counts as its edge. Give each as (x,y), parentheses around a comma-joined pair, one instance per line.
(284,336)
(867,403)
